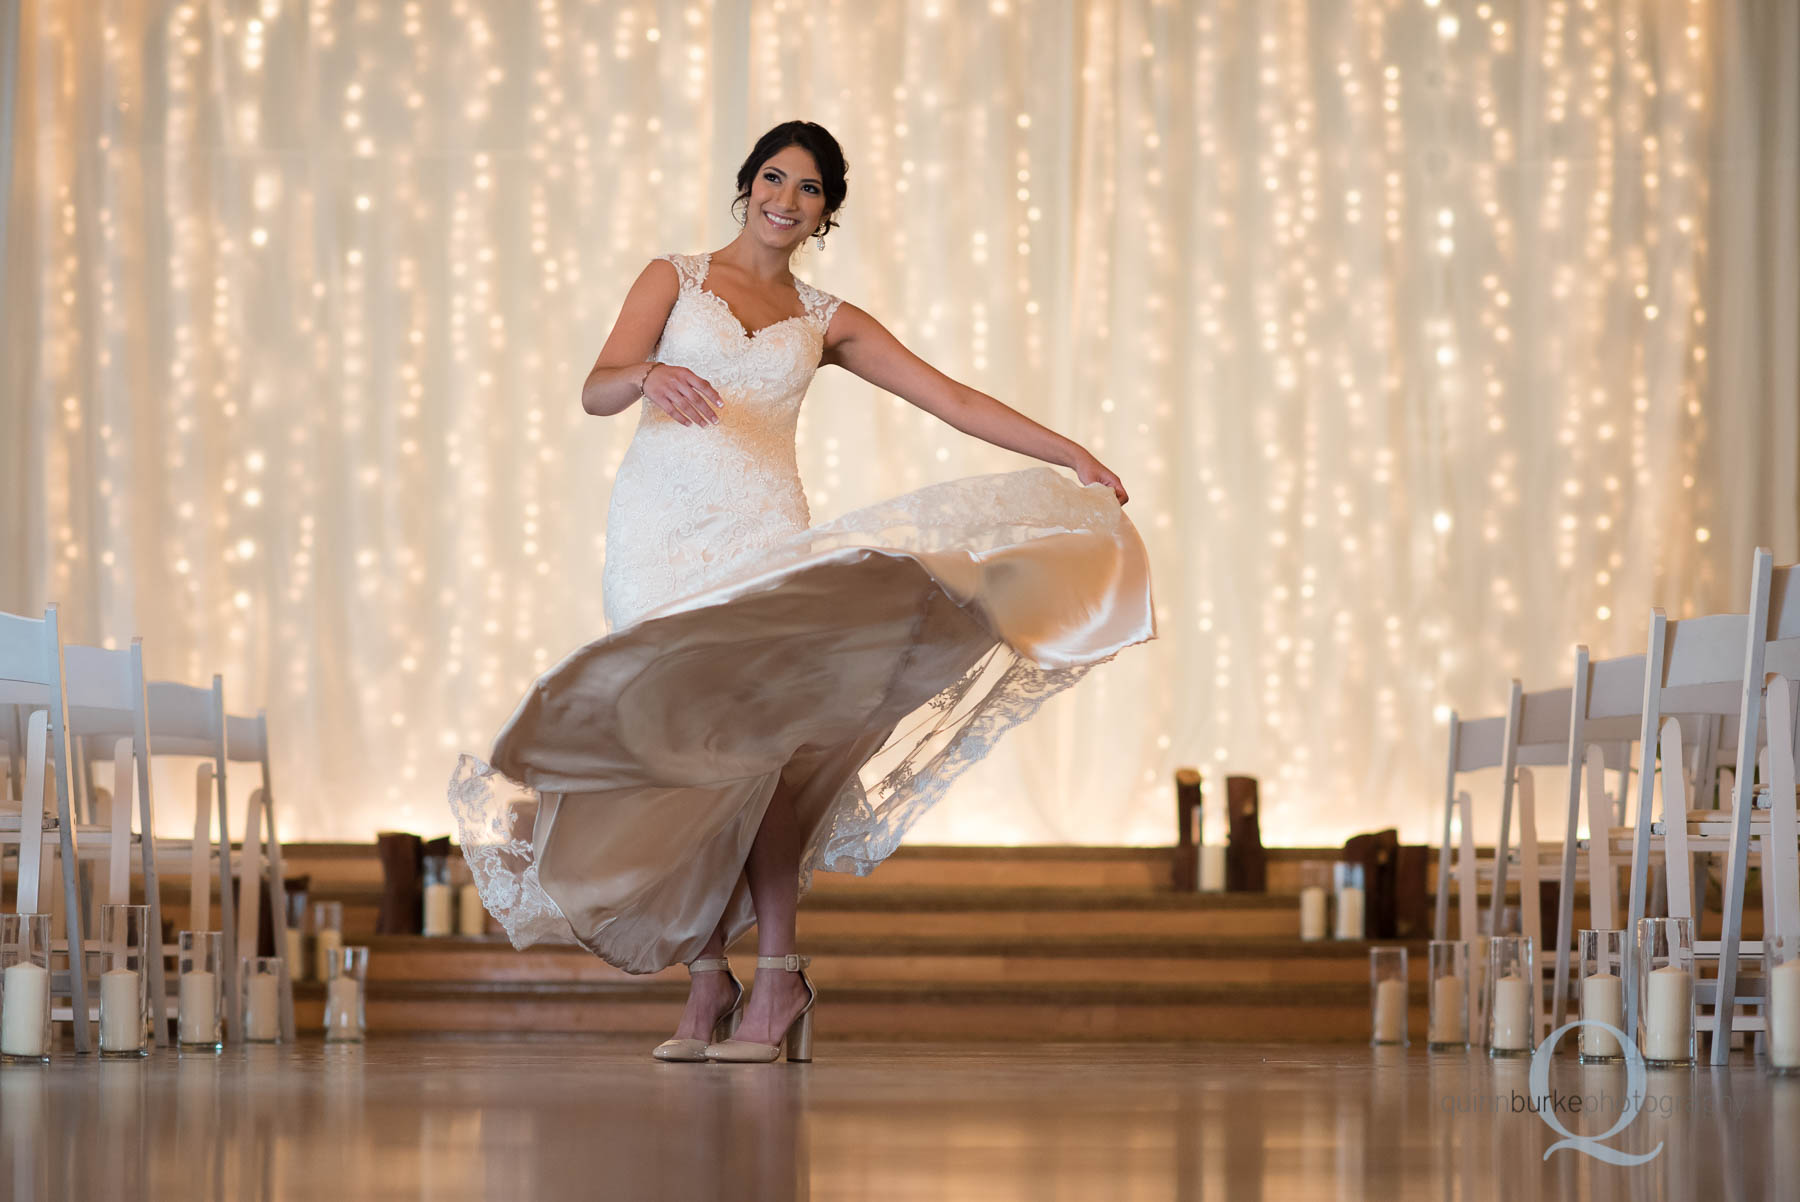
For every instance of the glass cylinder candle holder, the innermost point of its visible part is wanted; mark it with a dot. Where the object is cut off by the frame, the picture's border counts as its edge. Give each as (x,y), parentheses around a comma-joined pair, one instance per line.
(200,960)
(1315,887)
(328,936)
(1447,1028)
(1781,964)
(294,934)
(262,978)
(1387,995)
(1348,881)
(24,987)
(1601,971)
(124,969)
(345,1017)
(1512,1003)
(1665,982)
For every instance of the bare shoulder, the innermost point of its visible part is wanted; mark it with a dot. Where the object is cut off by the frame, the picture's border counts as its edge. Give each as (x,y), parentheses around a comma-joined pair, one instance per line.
(654,291)
(642,314)
(661,274)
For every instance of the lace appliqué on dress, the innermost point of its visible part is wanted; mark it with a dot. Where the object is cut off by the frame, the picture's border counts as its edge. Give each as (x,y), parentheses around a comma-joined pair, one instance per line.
(689,502)
(494,818)
(953,731)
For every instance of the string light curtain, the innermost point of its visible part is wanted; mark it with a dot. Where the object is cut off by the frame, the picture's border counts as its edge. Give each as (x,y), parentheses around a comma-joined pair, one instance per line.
(1431,337)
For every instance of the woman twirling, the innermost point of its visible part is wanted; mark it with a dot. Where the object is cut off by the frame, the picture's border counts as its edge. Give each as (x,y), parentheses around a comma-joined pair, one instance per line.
(775,697)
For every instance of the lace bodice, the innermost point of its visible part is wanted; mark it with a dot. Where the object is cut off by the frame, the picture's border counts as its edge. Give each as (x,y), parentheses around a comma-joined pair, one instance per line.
(689,501)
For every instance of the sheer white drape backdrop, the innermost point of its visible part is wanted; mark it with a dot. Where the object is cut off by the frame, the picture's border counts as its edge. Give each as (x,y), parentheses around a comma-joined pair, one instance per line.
(1430,338)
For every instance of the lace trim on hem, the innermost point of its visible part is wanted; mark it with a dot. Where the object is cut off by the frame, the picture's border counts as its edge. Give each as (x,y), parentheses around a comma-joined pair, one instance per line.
(859,831)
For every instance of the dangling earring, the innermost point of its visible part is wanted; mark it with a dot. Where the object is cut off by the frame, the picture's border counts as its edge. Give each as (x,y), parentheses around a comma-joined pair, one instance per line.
(819,239)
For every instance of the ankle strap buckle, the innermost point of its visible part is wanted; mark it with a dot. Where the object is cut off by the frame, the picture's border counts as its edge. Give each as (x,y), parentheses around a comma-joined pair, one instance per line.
(790,962)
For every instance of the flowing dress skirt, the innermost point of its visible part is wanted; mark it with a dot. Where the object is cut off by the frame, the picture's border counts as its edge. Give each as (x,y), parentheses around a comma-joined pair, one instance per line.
(862,664)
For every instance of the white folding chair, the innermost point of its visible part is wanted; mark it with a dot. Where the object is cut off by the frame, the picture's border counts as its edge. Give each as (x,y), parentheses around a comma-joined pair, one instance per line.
(1598,716)
(1474,746)
(31,677)
(1771,665)
(1708,665)
(189,721)
(105,700)
(1540,733)
(1604,717)
(247,741)
(1533,732)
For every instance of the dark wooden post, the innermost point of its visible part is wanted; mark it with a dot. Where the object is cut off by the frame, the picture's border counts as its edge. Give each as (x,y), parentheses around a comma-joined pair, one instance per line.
(1246,866)
(1378,854)
(402,896)
(1185,876)
(1412,896)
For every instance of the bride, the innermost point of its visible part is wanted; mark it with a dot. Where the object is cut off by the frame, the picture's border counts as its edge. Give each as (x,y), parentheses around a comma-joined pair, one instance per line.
(774,697)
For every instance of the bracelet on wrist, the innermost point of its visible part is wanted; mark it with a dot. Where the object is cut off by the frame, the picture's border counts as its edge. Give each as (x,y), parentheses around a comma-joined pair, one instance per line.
(645,378)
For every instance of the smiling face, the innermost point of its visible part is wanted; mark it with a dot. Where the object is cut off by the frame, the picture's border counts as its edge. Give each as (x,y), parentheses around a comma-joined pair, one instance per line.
(787,199)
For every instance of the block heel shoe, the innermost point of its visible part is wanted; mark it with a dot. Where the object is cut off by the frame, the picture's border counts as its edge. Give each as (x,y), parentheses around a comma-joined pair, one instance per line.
(796,1043)
(693,1051)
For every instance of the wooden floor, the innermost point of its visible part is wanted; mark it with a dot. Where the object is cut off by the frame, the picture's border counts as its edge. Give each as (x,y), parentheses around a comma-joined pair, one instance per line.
(589,1118)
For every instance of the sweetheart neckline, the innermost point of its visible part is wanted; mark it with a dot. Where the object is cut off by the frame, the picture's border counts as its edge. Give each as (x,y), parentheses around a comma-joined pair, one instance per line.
(748,334)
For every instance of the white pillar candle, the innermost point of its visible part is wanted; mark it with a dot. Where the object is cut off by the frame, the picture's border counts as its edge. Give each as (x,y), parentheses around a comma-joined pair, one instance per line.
(1512,1014)
(437,909)
(471,918)
(1312,912)
(1784,1015)
(1602,1000)
(1449,1010)
(324,944)
(24,990)
(1668,1013)
(340,1004)
(1350,913)
(1390,1011)
(294,952)
(262,1007)
(199,1007)
(1212,868)
(121,1011)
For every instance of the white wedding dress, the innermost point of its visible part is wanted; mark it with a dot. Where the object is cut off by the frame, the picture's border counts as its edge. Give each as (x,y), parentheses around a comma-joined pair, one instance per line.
(864,663)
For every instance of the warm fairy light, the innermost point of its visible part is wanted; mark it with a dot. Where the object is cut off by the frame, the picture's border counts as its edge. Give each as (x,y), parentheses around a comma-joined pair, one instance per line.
(1390,352)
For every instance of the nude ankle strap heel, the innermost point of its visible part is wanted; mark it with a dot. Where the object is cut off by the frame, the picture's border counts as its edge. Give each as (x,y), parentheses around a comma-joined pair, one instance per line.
(796,1041)
(693,1051)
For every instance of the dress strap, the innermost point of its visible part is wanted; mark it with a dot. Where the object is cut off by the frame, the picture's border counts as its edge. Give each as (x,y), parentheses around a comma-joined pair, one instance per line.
(819,303)
(691,267)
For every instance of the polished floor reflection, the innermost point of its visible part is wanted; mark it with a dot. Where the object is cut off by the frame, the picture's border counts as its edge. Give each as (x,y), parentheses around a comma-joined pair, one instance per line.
(583,1118)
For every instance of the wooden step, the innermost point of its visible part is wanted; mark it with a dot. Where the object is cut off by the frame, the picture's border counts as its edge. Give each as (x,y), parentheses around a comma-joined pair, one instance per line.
(988,911)
(895,1010)
(1069,867)
(1045,960)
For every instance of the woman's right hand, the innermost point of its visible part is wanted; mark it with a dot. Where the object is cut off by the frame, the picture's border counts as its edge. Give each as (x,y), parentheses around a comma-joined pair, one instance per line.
(682,395)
